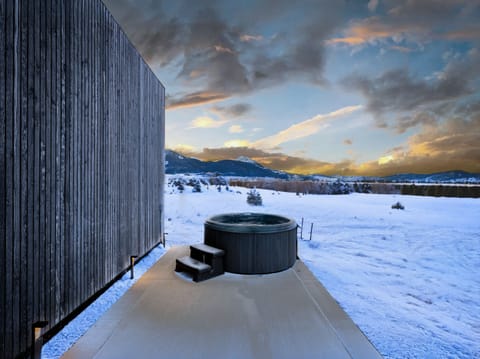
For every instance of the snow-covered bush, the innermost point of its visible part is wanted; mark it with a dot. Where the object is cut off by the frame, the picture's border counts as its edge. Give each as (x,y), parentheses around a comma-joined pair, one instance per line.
(339,187)
(217,181)
(398,205)
(254,198)
(179,184)
(195,184)
(362,187)
(197,187)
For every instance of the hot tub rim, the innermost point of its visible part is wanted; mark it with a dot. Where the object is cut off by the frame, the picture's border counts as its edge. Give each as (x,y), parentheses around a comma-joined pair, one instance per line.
(288,225)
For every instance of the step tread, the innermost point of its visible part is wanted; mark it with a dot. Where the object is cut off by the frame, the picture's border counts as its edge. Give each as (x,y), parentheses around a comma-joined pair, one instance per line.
(193,263)
(202,247)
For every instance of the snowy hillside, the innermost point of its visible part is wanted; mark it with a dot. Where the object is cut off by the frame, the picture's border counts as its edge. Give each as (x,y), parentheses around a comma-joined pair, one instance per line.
(244,167)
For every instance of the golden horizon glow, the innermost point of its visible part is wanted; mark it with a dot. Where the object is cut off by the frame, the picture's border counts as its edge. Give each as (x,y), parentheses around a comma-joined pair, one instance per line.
(237,143)
(385,159)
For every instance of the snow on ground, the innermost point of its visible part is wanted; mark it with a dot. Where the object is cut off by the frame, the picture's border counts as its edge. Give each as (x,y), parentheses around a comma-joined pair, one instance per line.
(61,342)
(408,278)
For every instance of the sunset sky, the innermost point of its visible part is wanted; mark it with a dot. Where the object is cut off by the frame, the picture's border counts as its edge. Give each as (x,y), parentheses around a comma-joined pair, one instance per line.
(328,87)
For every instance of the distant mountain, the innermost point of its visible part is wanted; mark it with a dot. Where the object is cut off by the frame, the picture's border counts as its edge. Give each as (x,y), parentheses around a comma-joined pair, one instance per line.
(440,177)
(246,167)
(246,159)
(243,167)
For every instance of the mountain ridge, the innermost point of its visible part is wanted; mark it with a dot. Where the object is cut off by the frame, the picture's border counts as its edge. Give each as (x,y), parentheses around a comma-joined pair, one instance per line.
(245,167)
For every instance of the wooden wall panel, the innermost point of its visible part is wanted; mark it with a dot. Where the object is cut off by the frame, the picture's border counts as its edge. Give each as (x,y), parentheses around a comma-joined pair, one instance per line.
(81,158)
(2,177)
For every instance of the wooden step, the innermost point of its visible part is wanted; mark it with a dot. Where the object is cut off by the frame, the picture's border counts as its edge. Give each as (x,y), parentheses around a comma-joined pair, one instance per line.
(197,265)
(204,248)
(200,271)
(209,255)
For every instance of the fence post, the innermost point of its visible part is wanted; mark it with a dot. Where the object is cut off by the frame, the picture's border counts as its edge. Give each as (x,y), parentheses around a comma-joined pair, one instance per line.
(301,230)
(311,229)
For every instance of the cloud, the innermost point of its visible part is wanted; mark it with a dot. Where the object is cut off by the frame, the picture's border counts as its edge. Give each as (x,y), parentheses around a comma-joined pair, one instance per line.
(236,110)
(194,99)
(248,38)
(214,52)
(455,140)
(183,148)
(235,129)
(219,48)
(206,122)
(372,5)
(236,143)
(303,129)
(413,101)
(452,144)
(469,32)
(348,40)
(158,36)
(403,49)
(374,29)
(415,22)
(415,119)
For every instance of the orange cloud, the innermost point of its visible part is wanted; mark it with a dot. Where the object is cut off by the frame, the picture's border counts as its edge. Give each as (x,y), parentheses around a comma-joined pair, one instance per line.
(451,145)
(347,40)
(236,143)
(374,29)
(220,48)
(467,33)
(249,38)
(195,99)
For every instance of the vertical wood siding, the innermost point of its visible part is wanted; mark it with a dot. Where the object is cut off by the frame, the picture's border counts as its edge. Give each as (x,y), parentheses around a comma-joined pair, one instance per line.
(81,160)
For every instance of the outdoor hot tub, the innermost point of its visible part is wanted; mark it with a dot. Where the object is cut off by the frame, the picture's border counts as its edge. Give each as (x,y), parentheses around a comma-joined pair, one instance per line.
(254,243)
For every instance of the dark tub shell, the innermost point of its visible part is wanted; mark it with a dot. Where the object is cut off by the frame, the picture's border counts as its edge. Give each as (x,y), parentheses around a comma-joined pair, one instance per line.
(254,243)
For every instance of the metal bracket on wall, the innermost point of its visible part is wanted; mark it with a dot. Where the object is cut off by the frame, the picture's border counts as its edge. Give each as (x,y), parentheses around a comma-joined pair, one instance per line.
(163,239)
(38,331)
(132,266)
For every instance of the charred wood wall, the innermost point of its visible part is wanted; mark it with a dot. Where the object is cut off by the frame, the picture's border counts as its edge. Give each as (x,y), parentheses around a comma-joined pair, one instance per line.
(81,160)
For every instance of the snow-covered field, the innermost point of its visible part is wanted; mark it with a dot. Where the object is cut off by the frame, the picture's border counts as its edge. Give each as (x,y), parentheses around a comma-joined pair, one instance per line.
(408,278)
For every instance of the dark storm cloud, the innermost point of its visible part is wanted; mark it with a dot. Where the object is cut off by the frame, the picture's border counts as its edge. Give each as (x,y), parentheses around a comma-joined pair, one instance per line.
(453,144)
(157,36)
(209,47)
(415,21)
(425,11)
(417,100)
(420,118)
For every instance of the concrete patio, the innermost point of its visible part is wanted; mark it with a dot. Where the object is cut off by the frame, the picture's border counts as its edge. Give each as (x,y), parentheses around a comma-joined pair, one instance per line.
(281,315)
